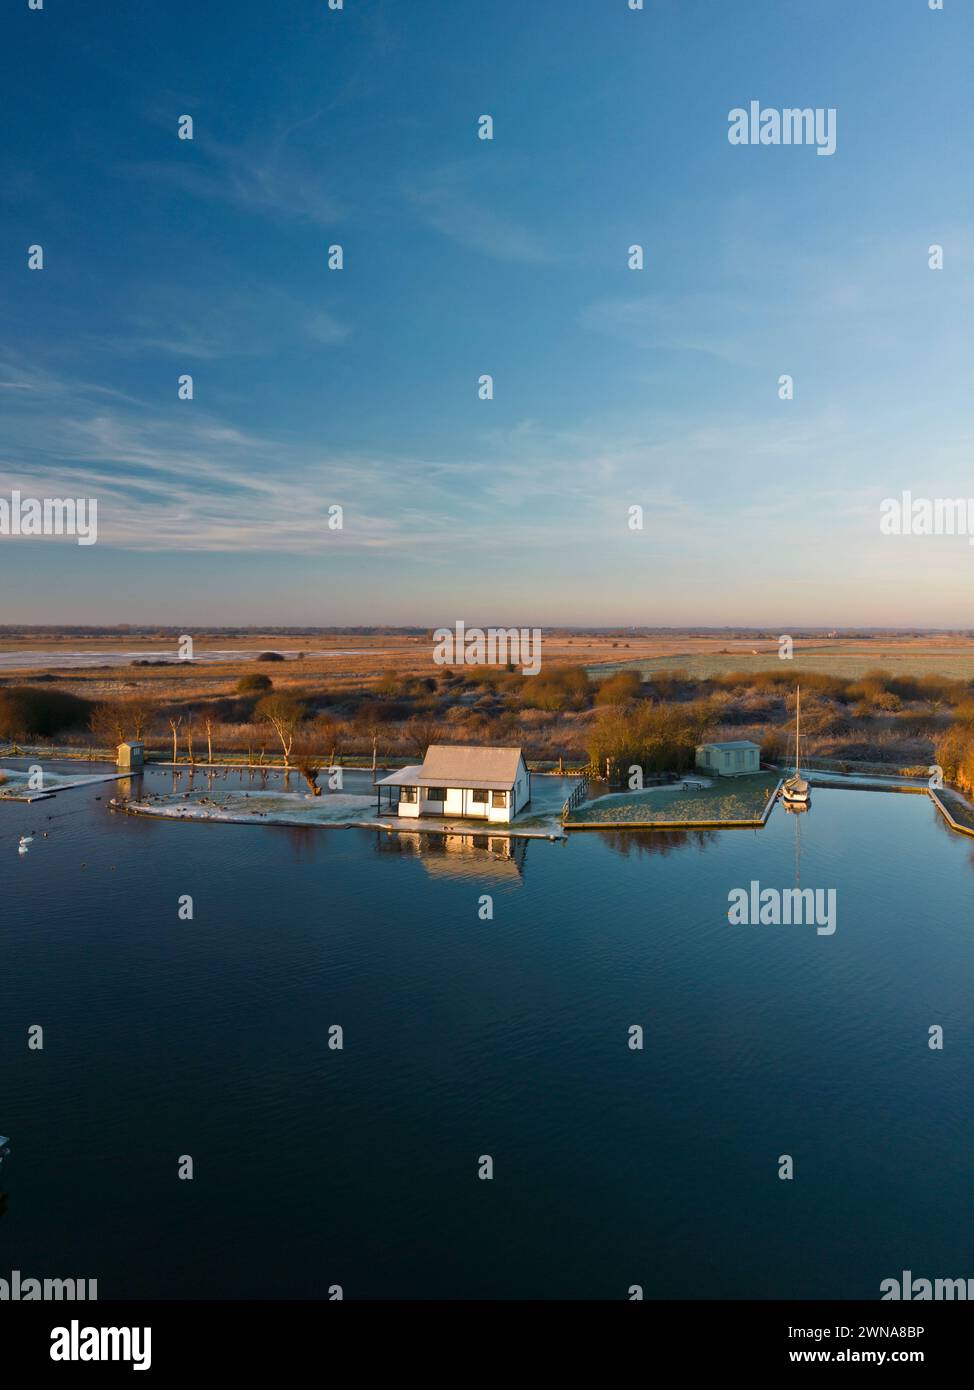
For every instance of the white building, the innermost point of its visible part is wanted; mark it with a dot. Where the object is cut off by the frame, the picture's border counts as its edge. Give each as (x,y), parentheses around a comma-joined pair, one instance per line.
(733,759)
(491,784)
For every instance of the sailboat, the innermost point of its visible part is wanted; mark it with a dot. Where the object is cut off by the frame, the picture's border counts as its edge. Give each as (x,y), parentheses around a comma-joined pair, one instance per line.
(796,790)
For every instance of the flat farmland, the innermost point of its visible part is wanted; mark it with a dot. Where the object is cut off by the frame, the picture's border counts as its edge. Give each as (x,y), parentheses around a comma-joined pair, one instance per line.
(110,664)
(922,658)
(105,665)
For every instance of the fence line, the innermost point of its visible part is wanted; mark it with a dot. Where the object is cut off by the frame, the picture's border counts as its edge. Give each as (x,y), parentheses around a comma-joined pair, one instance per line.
(576,796)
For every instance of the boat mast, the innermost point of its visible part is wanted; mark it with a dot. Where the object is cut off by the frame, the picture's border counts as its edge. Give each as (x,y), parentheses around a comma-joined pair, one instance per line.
(798,706)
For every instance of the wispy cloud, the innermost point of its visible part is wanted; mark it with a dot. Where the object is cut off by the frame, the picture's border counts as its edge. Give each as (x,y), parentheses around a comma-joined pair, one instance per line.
(690,323)
(268,176)
(191,481)
(452,200)
(323,327)
(251,320)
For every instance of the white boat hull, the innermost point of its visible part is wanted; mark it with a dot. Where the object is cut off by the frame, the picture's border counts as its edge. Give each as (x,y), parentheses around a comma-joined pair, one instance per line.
(796,789)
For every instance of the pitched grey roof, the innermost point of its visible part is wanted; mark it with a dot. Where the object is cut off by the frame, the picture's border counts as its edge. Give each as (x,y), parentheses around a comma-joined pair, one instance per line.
(733,743)
(405,777)
(461,765)
(471,763)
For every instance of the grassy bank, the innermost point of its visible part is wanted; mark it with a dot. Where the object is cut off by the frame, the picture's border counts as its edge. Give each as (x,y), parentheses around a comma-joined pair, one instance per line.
(729,800)
(962,813)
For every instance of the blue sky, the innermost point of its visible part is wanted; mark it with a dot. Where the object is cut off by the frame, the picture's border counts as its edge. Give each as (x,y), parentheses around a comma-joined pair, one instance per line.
(358,387)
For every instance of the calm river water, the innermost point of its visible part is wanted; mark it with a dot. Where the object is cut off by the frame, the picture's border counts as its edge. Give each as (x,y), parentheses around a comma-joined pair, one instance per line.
(465,1037)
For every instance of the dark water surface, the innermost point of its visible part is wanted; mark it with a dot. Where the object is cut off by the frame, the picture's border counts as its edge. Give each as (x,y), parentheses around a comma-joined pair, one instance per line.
(464,1037)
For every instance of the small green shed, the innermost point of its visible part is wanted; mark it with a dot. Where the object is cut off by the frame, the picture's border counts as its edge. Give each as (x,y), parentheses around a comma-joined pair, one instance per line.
(733,759)
(131,755)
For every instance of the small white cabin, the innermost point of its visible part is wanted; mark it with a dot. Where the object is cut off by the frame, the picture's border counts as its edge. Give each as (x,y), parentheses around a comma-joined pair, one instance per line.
(491,784)
(733,759)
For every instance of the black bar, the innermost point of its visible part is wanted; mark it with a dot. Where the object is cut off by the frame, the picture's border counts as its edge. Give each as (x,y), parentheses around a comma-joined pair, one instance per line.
(725,1337)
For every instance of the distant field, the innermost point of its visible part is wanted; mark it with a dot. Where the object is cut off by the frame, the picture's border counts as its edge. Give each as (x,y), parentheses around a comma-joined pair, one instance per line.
(899,659)
(103,667)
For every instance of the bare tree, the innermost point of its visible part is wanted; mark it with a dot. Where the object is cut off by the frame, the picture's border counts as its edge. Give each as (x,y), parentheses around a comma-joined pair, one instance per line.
(420,733)
(142,713)
(208,722)
(309,770)
(327,734)
(284,713)
(174,722)
(108,722)
(189,736)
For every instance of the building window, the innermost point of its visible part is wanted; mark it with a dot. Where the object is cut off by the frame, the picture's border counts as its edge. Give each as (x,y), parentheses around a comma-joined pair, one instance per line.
(407,793)
(435,794)
(498,798)
(478,798)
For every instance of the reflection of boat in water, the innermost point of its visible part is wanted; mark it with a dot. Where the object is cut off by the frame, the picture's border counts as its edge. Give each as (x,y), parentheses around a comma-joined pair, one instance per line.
(796,792)
(798,840)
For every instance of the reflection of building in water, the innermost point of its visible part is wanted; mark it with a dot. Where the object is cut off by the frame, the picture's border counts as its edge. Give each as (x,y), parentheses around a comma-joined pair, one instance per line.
(452,856)
(125,788)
